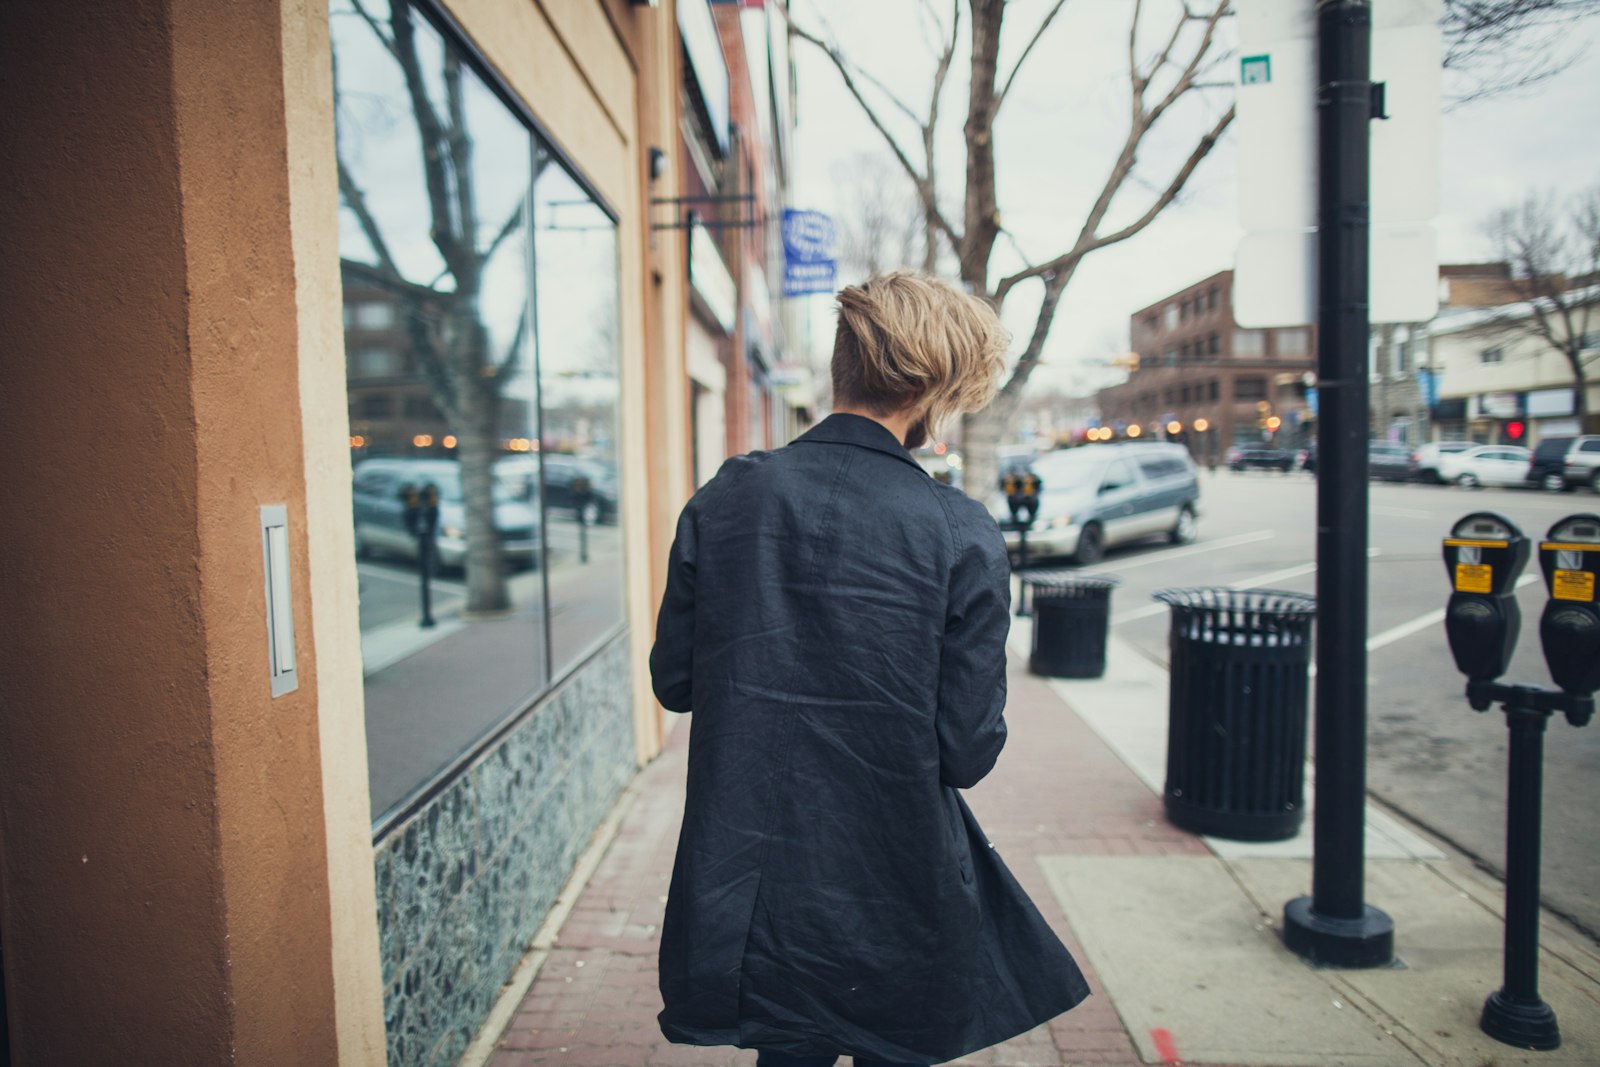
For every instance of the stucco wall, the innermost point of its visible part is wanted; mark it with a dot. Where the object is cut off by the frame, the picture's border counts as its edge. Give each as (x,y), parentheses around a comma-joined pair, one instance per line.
(164,853)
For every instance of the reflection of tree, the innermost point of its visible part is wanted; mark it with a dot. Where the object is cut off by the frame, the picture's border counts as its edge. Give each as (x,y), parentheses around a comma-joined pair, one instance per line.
(443,322)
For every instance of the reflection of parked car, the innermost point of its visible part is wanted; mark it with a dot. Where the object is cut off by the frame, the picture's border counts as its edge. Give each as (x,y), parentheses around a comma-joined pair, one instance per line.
(1425,460)
(1582,464)
(1271,459)
(561,471)
(1485,465)
(1390,462)
(380,517)
(1102,495)
(1545,466)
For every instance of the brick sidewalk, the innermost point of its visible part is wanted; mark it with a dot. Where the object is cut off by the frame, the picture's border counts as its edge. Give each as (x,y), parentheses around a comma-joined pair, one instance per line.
(1056,791)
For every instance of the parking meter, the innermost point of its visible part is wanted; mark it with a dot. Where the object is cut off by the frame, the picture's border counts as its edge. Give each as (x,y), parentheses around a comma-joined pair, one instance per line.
(1484,555)
(422,520)
(1569,629)
(1022,495)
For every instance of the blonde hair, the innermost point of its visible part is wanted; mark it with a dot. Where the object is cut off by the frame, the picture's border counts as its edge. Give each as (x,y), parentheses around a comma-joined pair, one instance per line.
(906,340)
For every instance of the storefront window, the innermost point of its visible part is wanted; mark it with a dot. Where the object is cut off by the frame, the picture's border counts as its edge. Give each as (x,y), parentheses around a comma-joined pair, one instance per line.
(462,245)
(575,272)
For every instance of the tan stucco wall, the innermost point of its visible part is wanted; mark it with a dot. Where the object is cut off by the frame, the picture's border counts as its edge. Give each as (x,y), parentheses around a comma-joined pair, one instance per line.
(324,421)
(164,854)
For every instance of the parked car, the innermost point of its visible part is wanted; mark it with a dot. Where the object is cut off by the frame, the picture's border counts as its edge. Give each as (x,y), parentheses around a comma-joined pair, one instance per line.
(380,522)
(1485,465)
(1274,459)
(1389,462)
(562,470)
(1425,460)
(1582,463)
(1104,495)
(1546,468)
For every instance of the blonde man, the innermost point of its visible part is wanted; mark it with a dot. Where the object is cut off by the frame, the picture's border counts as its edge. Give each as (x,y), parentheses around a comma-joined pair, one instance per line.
(836,619)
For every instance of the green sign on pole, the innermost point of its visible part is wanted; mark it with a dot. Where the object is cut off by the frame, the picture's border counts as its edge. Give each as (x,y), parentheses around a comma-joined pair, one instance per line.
(1255,70)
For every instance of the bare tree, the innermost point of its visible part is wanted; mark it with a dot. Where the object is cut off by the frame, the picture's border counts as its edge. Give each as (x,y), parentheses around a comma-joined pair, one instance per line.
(1179,62)
(881,225)
(442,317)
(1554,252)
(1501,46)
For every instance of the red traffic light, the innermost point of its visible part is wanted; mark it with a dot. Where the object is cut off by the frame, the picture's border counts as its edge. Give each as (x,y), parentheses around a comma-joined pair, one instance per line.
(1515,430)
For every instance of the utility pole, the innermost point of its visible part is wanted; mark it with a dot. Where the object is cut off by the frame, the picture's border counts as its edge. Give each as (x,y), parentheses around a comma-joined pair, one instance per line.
(1334,925)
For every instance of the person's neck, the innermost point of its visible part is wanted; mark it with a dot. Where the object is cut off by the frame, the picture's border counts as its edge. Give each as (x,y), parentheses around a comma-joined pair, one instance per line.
(897,422)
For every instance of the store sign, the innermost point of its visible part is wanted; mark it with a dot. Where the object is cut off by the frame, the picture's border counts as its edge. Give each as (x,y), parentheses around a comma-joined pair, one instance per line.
(698,28)
(1499,405)
(1544,403)
(808,253)
(710,278)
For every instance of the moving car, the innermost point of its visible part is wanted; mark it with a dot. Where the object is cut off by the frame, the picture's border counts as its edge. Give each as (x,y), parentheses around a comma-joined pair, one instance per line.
(1098,496)
(1389,462)
(1485,465)
(380,515)
(1274,459)
(1546,468)
(1581,466)
(1425,460)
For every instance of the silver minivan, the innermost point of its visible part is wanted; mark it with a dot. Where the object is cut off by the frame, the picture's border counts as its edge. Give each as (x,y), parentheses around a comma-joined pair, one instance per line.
(1097,496)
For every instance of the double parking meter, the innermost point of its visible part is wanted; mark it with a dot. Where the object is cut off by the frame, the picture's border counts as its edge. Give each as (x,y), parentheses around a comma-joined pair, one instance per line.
(1484,554)
(1022,495)
(1569,629)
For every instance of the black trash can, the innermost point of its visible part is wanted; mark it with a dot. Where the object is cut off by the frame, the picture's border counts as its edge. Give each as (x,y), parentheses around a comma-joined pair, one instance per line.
(1236,712)
(1071,616)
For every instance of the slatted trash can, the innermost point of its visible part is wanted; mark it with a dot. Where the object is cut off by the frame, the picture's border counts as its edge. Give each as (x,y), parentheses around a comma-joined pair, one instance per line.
(1071,616)
(1236,711)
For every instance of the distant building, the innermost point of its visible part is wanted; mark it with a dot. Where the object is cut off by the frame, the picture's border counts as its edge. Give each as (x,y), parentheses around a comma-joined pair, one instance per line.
(1221,384)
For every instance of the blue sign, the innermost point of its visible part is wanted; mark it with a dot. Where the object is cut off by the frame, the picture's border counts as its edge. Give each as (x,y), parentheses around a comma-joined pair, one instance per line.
(1429,382)
(808,257)
(1311,401)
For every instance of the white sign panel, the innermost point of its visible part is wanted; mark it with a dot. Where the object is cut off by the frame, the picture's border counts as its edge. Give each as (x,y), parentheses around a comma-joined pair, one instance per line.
(1275,274)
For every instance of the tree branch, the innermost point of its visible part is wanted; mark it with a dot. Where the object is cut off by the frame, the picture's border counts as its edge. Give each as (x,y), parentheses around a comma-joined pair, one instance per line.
(930,205)
(1089,240)
(431,129)
(1038,33)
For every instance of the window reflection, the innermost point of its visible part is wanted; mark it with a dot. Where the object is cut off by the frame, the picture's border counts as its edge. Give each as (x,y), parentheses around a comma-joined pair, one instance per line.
(575,272)
(434,177)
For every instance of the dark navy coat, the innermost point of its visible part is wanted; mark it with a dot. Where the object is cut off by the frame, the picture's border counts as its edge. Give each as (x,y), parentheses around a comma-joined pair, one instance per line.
(836,620)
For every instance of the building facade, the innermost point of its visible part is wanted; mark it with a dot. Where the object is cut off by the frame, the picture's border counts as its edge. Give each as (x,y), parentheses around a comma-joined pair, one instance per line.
(317,290)
(1217,383)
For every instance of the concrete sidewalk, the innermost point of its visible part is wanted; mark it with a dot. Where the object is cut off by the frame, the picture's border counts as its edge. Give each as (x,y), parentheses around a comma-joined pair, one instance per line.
(1177,933)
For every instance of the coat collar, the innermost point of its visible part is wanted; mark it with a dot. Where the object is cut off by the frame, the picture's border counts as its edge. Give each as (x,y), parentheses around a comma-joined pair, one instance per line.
(858,430)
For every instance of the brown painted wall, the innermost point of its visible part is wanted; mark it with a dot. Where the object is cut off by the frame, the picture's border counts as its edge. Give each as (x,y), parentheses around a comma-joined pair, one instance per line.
(163,864)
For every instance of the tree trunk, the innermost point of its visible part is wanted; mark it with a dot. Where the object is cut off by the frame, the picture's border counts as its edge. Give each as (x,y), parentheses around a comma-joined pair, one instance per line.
(1580,389)
(477,449)
(981,434)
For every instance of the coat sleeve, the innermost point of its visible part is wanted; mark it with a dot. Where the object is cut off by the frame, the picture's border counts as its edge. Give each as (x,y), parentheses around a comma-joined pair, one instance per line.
(972,665)
(672,656)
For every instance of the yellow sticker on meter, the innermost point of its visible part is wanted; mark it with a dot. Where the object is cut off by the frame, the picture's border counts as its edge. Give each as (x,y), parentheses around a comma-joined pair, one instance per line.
(1474,578)
(1573,585)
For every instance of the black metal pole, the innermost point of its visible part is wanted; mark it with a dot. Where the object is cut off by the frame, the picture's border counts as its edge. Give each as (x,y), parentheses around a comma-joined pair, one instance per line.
(1515,1014)
(426,547)
(1334,925)
(1023,611)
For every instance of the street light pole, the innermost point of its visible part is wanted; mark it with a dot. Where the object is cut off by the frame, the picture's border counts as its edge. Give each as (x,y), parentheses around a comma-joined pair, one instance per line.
(1334,925)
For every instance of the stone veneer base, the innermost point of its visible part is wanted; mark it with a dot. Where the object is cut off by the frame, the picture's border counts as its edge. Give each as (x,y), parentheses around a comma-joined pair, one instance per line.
(464,883)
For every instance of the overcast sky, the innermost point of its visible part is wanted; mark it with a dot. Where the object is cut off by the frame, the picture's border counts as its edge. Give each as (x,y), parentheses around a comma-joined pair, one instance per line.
(1058,133)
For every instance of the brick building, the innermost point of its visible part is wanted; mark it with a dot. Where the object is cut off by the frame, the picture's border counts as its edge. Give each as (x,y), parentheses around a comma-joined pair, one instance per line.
(1221,383)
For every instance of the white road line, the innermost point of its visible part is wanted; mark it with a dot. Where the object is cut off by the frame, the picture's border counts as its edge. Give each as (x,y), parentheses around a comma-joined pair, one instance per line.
(1243,583)
(1118,567)
(1422,622)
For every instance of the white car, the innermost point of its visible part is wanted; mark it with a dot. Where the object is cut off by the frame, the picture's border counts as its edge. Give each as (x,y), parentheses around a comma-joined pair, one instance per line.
(1485,465)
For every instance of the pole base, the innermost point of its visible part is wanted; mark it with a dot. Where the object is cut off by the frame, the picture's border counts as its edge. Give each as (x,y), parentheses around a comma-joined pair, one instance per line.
(1329,942)
(1517,1021)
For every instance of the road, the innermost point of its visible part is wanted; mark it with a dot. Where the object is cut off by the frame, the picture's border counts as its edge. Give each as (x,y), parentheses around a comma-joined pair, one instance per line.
(1429,755)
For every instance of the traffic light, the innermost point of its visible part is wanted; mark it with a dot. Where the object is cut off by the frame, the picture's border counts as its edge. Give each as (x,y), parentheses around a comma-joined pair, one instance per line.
(1515,430)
